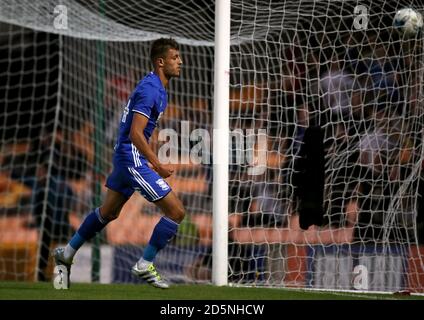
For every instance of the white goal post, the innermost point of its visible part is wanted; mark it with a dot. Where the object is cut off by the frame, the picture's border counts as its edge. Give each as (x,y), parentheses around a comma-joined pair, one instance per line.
(221,144)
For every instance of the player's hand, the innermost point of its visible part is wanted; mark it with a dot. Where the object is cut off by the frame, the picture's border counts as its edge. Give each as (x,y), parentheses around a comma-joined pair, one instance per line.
(165,170)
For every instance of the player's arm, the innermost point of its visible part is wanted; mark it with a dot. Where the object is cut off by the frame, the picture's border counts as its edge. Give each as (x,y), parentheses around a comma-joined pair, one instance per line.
(138,125)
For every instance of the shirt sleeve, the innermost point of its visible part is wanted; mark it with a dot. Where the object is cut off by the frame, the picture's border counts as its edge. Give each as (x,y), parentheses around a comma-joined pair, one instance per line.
(145,100)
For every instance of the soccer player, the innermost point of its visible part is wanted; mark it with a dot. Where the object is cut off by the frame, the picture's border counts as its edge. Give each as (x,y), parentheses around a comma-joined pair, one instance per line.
(137,168)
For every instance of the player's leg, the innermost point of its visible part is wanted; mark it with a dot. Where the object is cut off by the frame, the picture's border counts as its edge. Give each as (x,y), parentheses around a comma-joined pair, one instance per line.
(162,234)
(172,207)
(92,224)
(155,189)
(95,221)
(117,195)
(167,226)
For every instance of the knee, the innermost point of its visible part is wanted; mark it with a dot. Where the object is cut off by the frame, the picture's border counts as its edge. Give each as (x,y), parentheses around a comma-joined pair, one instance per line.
(178,214)
(109,214)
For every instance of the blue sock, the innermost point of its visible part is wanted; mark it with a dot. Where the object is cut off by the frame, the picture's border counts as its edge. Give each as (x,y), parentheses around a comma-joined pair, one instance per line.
(150,253)
(92,224)
(163,232)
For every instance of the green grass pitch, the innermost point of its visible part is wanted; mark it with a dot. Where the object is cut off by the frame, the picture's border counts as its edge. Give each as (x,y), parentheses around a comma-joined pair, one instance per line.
(86,291)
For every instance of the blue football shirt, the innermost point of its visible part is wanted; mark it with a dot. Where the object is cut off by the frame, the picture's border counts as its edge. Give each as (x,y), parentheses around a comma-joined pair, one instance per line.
(149,99)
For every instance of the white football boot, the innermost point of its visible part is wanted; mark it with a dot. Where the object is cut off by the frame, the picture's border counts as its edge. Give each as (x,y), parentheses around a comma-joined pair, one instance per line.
(147,271)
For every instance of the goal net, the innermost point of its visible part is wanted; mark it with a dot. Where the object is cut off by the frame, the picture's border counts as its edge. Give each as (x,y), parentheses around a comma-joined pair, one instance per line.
(326,114)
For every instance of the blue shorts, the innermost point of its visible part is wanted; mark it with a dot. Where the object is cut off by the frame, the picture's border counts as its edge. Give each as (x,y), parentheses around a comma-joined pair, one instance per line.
(126,180)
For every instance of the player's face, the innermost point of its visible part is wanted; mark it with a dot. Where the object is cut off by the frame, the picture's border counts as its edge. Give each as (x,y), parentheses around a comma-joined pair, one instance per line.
(172,63)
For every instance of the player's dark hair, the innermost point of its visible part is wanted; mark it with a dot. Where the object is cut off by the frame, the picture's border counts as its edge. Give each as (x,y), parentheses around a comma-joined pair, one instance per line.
(160,47)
